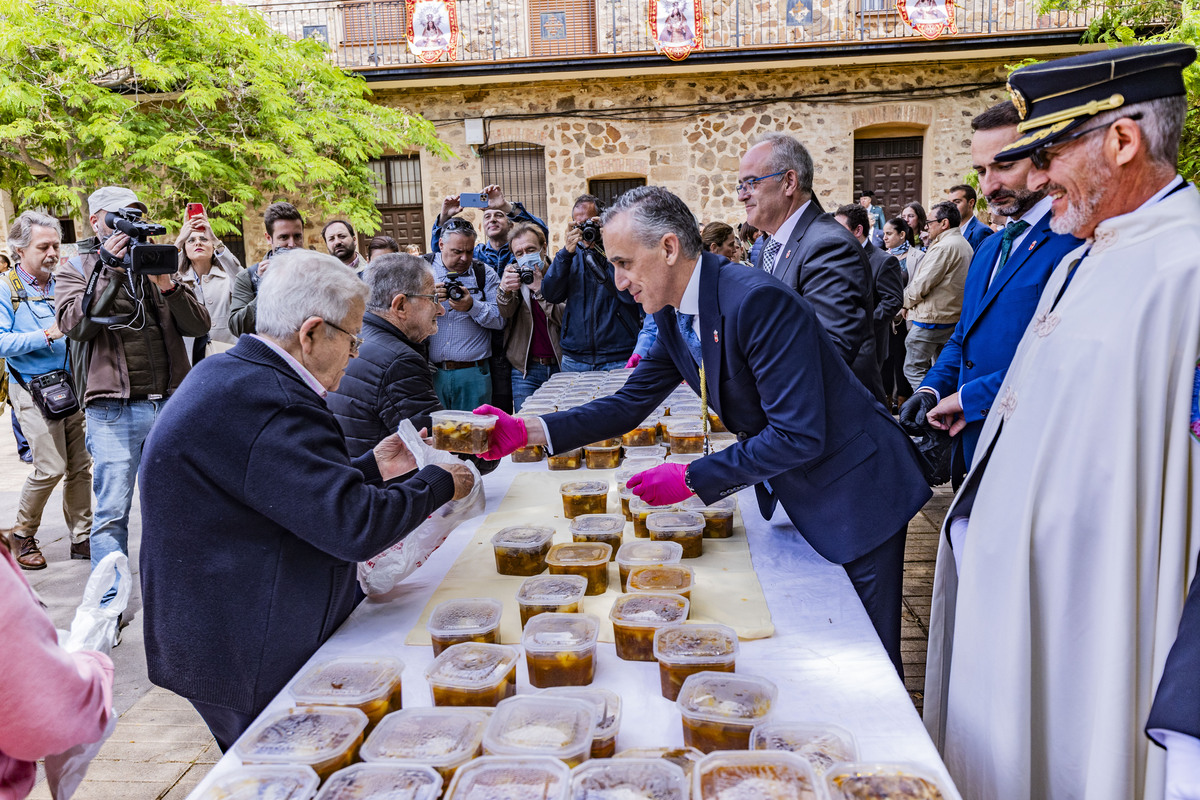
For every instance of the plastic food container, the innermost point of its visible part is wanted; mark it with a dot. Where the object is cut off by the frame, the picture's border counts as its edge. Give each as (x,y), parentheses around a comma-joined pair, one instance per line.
(683,650)
(641,510)
(584,497)
(522,549)
(718,517)
(587,559)
(684,434)
(628,779)
(383,782)
(626,499)
(560,649)
(607,705)
(613,442)
(462,431)
(638,459)
(602,457)
(473,674)
(372,685)
(545,594)
(720,440)
(644,435)
(721,709)
(276,781)
(536,725)
(684,458)
(635,617)
(467,620)
(443,738)
(637,554)
(820,744)
(662,579)
(569,459)
(765,774)
(894,781)
(509,778)
(325,738)
(599,528)
(528,455)
(686,758)
(684,527)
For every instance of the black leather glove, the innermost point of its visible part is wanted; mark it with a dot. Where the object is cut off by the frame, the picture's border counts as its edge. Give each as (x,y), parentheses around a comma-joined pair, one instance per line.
(912,413)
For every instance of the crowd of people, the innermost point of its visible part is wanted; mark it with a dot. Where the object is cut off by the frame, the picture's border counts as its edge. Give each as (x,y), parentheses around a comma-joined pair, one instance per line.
(1059,353)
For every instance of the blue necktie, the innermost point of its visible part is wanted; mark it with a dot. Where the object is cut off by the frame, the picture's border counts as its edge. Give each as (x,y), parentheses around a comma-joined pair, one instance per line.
(689,335)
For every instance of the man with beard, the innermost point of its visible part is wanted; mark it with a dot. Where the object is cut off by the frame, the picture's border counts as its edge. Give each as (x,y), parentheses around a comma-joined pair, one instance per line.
(342,244)
(1005,280)
(1062,575)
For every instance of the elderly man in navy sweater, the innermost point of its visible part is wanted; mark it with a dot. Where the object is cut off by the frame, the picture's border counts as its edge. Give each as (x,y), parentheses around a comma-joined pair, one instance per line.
(252,520)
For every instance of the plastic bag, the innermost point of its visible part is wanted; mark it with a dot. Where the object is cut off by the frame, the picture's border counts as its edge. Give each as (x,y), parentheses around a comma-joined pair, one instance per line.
(381,573)
(65,771)
(95,628)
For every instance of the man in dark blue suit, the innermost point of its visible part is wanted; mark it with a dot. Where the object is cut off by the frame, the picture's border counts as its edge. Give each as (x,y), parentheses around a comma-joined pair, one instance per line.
(1002,291)
(974,231)
(1174,720)
(810,435)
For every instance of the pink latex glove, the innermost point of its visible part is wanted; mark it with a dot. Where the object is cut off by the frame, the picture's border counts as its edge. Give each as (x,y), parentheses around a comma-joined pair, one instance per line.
(508,435)
(661,485)
(633,361)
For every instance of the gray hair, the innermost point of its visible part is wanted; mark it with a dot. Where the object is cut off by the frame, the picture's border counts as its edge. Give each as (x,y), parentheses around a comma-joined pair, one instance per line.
(303,283)
(393,274)
(787,153)
(1161,125)
(655,213)
(20,233)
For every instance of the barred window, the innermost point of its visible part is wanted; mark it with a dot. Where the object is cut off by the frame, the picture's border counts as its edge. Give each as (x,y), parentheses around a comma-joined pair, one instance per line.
(519,169)
(609,189)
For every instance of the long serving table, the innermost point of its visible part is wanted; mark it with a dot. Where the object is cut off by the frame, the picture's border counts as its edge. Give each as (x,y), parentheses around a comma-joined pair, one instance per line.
(824,657)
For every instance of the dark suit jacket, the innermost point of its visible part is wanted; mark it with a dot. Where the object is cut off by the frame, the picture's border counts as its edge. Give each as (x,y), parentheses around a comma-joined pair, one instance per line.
(835,459)
(889,296)
(1177,700)
(993,320)
(252,524)
(825,263)
(975,232)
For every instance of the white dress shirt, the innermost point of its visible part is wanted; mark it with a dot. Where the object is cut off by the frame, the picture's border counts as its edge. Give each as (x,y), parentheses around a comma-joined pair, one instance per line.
(1034,217)
(297,367)
(785,230)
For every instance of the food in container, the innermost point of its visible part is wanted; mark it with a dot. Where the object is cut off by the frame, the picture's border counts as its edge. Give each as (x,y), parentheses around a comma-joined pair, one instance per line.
(684,434)
(560,649)
(529,454)
(511,778)
(606,528)
(683,650)
(522,549)
(325,738)
(629,779)
(761,774)
(718,517)
(596,457)
(636,554)
(626,499)
(584,497)
(644,435)
(662,579)
(383,782)
(859,781)
(443,738)
(544,594)
(635,617)
(822,744)
(275,781)
(582,558)
(720,709)
(462,431)
(472,674)
(568,459)
(613,442)
(465,620)
(607,705)
(537,725)
(686,758)
(684,527)
(371,685)
(640,510)
(721,439)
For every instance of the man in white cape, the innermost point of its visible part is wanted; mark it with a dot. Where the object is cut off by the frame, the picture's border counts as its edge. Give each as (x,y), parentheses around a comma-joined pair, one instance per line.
(1068,553)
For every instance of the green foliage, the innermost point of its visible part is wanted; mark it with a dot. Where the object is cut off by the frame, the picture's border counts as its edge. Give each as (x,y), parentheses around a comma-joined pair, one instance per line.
(186,101)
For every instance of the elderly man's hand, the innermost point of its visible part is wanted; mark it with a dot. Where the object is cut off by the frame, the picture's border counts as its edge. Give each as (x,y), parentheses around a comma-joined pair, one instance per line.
(393,458)
(463,479)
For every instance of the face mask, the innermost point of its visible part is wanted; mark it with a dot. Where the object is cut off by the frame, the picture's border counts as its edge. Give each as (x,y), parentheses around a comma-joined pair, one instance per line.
(529,261)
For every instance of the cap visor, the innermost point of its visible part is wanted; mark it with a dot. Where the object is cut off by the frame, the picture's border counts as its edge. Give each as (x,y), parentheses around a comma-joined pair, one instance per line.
(1024,147)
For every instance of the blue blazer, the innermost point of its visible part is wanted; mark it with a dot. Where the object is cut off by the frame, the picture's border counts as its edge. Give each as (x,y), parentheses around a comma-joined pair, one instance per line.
(837,461)
(976,232)
(1177,700)
(993,320)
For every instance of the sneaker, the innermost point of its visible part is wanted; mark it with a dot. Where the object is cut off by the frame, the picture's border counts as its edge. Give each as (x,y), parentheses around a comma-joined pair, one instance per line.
(120,624)
(82,551)
(28,554)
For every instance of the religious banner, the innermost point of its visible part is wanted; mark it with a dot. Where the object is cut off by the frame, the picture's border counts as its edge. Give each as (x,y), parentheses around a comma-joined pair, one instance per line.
(930,18)
(432,29)
(676,27)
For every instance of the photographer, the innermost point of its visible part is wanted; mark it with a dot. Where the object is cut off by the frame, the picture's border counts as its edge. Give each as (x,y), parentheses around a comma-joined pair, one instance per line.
(285,231)
(128,358)
(600,323)
(462,345)
(534,325)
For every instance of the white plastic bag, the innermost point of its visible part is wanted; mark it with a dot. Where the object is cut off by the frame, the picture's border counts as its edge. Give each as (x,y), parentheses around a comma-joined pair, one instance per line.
(381,573)
(95,628)
(65,771)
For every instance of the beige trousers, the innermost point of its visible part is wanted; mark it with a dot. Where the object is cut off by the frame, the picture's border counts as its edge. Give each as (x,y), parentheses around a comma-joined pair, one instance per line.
(58,450)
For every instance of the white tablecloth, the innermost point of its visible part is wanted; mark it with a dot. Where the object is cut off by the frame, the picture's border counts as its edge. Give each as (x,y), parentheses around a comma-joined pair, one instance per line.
(825,657)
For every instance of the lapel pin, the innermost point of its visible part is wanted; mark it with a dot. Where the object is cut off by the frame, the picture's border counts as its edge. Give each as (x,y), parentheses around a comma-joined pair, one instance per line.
(788,254)
(716,338)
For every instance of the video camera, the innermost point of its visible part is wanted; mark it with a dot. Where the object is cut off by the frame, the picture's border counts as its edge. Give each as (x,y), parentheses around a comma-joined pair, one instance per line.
(142,257)
(589,231)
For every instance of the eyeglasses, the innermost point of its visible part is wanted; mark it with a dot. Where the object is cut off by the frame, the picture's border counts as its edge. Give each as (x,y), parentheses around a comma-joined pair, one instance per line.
(432,297)
(355,341)
(1041,156)
(746,186)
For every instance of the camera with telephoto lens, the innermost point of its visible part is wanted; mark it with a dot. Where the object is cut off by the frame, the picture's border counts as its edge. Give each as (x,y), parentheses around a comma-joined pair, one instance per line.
(141,257)
(589,231)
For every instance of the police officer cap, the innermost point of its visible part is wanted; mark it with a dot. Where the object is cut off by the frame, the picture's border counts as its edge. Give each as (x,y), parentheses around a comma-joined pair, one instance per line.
(1056,97)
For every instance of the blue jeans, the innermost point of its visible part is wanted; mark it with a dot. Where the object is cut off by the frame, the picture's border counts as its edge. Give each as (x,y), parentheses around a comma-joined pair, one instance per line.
(463,389)
(574,365)
(116,432)
(527,384)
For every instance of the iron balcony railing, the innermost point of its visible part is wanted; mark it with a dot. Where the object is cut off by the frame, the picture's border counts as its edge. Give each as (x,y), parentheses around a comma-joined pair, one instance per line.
(371,34)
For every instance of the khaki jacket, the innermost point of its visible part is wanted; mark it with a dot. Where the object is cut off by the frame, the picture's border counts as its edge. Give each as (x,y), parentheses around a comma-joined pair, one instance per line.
(515,308)
(935,294)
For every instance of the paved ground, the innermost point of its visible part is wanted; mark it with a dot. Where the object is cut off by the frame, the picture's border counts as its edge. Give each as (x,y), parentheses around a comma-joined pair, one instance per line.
(161,749)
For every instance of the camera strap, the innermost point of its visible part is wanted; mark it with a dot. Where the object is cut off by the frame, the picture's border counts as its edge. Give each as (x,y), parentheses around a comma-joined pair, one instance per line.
(88,293)
(597,273)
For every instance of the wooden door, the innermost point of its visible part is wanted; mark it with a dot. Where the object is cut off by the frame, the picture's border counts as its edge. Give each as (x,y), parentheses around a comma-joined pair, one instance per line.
(892,169)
